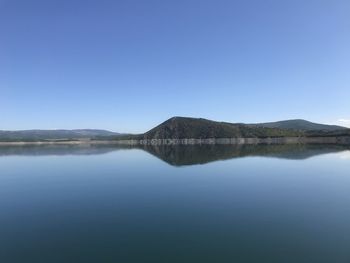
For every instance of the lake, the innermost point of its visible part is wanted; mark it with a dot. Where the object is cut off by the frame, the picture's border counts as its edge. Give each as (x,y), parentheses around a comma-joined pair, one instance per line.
(224,203)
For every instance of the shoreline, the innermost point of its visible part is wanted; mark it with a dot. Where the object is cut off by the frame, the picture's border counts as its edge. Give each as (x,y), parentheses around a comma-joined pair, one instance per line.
(191,141)
(85,142)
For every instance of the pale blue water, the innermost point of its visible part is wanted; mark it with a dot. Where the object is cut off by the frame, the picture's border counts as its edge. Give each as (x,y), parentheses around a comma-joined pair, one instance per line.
(263,204)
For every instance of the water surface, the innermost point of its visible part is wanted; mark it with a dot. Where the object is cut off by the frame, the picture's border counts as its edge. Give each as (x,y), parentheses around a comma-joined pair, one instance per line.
(281,203)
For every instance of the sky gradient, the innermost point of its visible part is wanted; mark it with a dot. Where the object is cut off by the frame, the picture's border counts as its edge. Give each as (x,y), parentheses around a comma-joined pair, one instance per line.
(129,65)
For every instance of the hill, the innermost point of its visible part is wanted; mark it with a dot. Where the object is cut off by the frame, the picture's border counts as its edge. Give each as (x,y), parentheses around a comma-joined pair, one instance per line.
(298,124)
(183,127)
(34,135)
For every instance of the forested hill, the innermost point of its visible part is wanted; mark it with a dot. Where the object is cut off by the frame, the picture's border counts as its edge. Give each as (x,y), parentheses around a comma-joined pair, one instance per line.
(184,127)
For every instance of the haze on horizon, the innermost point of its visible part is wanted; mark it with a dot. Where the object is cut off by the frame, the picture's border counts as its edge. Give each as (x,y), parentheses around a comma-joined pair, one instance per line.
(126,66)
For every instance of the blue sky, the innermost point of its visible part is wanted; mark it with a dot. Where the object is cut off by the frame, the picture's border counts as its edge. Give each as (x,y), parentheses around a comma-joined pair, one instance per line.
(128,65)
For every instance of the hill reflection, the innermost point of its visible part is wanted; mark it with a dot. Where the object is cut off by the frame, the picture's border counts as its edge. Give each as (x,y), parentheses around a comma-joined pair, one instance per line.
(179,155)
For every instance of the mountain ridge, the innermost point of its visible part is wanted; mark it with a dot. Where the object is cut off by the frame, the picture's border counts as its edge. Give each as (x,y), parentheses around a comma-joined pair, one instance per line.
(188,127)
(179,127)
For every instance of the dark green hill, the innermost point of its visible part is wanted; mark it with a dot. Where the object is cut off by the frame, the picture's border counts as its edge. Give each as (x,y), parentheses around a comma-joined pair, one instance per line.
(183,127)
(298,124)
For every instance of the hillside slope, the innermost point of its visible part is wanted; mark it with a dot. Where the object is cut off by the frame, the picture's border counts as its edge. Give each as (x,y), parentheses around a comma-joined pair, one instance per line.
(298,124)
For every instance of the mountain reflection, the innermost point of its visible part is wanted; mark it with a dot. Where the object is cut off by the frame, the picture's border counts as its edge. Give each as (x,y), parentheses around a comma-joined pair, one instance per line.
(200,154)
(179,155)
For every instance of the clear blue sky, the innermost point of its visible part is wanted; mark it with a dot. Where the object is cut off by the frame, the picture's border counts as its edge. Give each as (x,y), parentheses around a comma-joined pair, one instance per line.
(128,65)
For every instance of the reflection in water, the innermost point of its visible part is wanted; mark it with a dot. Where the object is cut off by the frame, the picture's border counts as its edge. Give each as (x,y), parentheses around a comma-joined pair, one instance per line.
(179,155)
(200,154)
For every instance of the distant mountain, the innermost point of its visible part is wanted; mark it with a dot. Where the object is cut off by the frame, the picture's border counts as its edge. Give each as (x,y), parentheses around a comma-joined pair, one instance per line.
(183,127)
(298,124)
(33,135)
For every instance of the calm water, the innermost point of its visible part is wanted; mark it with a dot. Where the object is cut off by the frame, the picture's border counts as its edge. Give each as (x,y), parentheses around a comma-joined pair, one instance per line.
(175,204)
